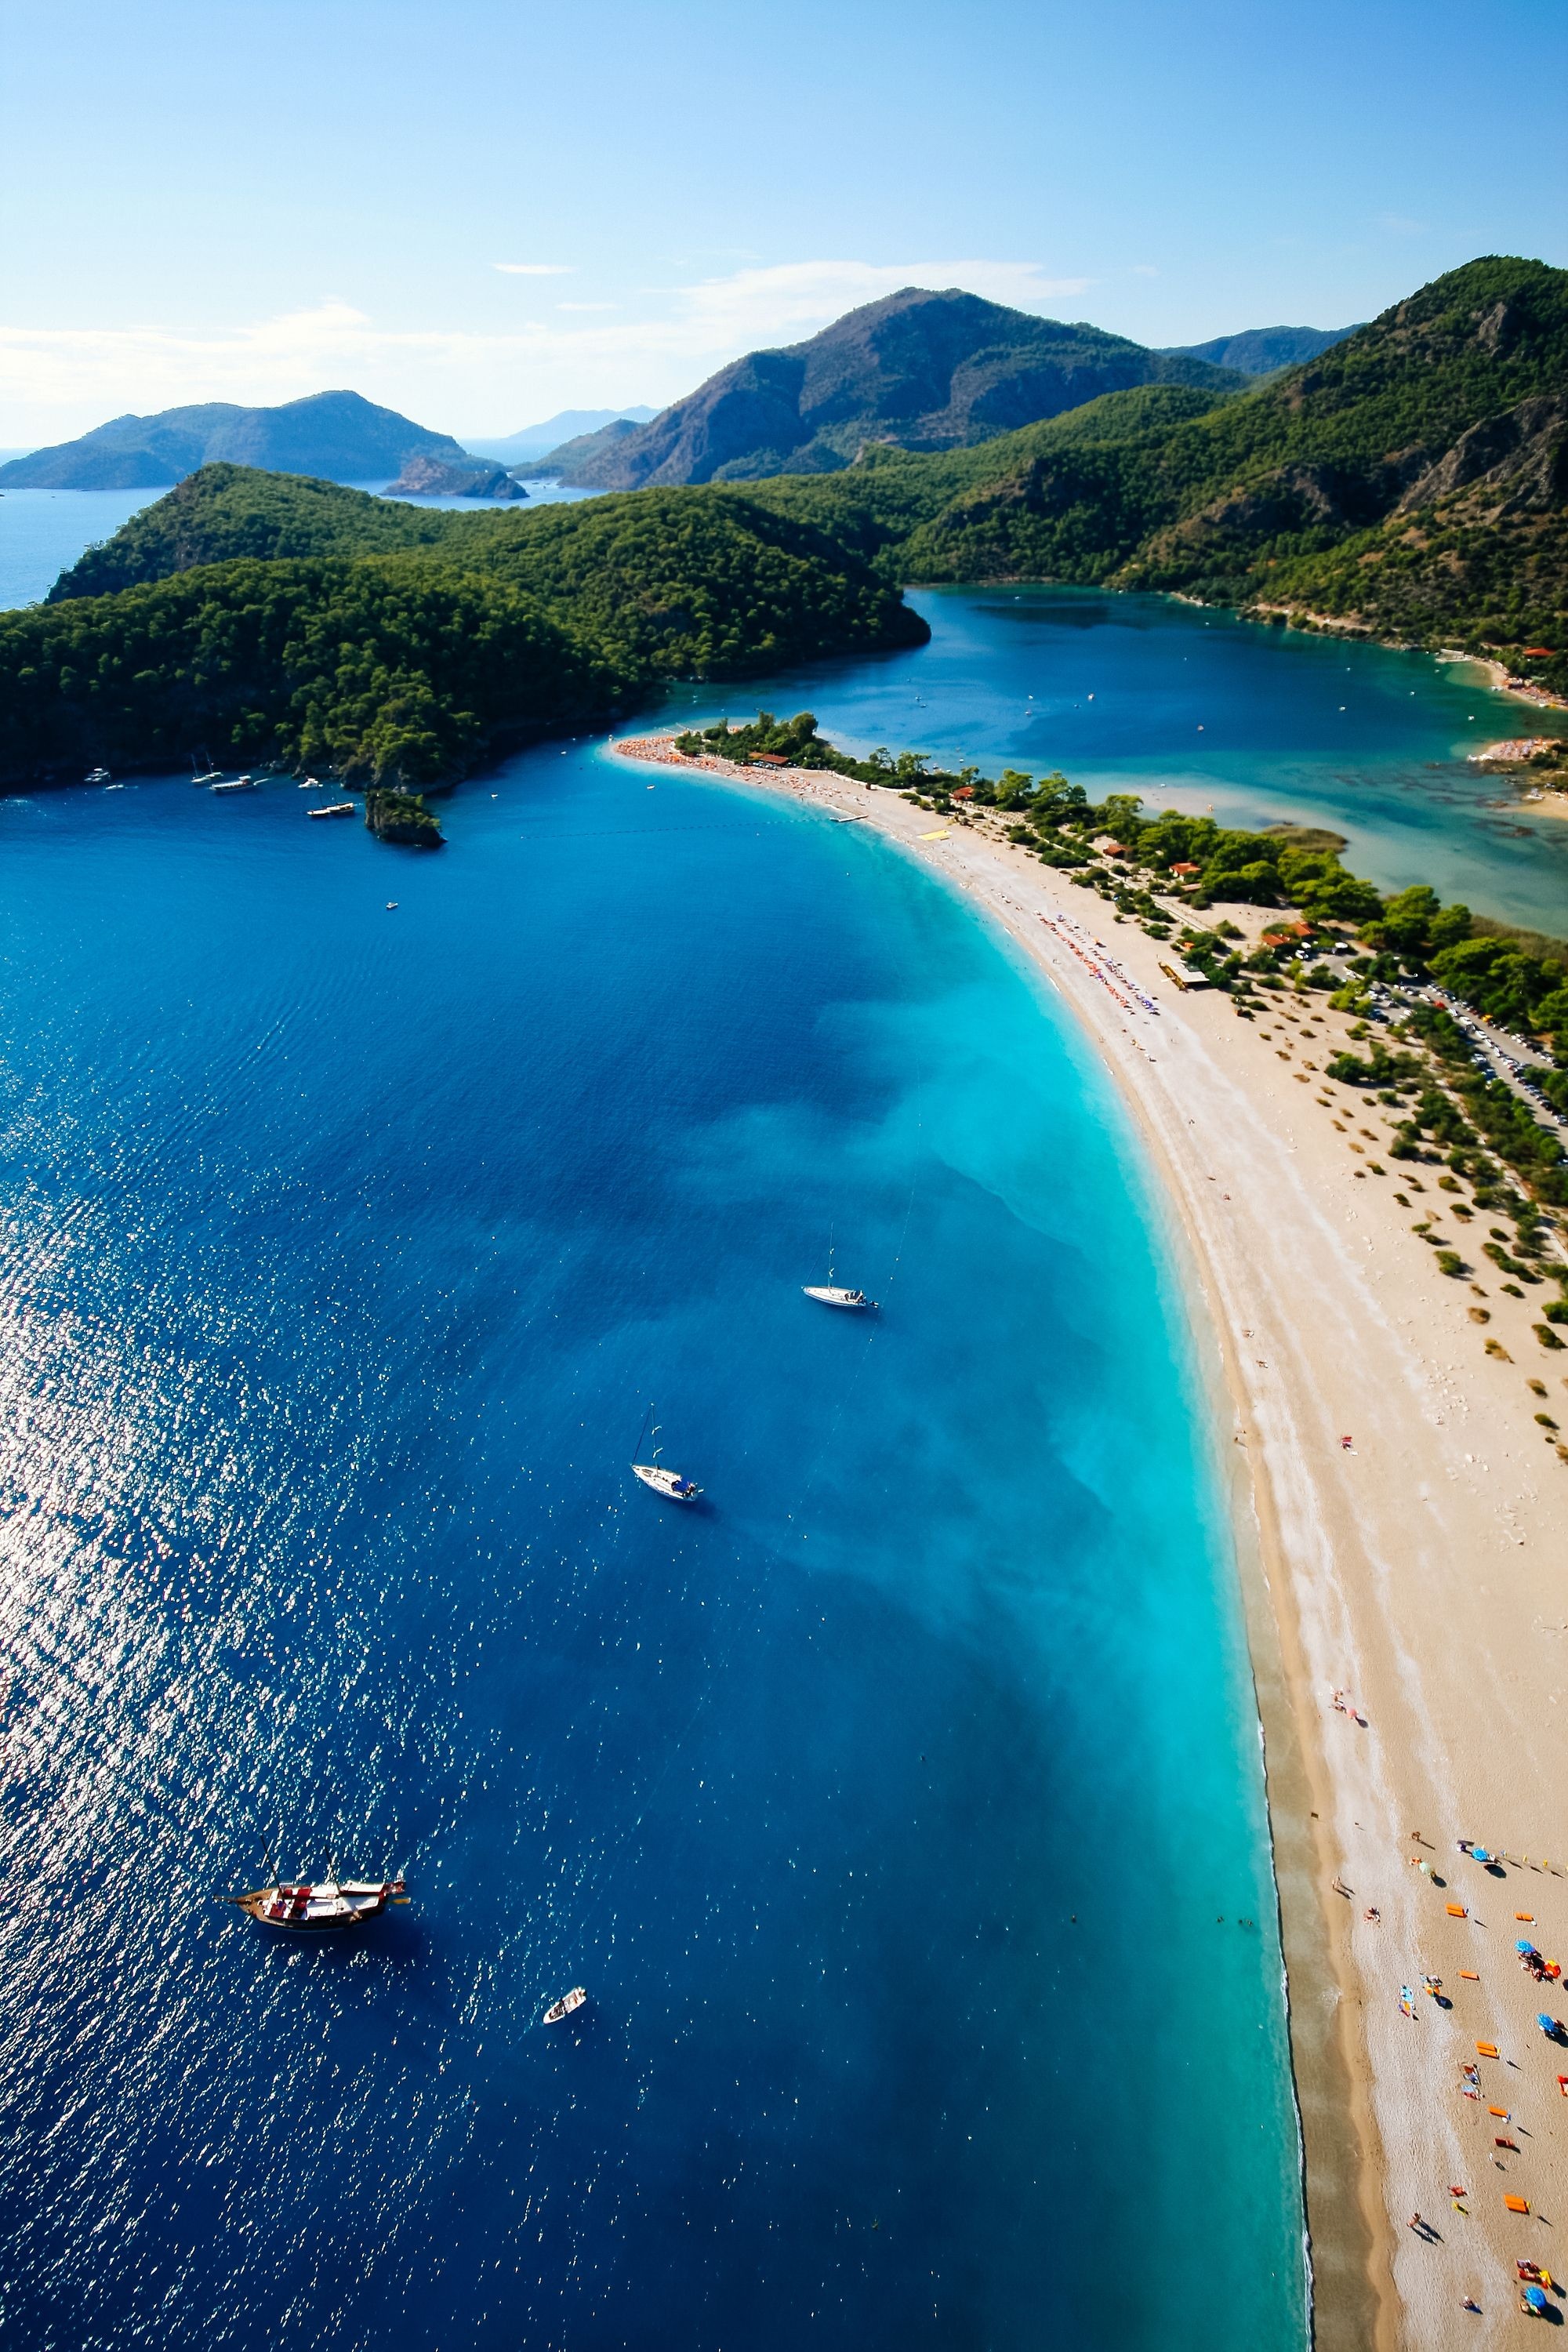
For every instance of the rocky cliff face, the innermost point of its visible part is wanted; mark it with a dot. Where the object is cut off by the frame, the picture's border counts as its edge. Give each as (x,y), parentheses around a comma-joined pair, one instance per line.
(927,371)
(1513,464)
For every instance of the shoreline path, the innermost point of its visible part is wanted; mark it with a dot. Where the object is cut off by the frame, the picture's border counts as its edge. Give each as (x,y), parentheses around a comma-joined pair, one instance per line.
(1402,1527)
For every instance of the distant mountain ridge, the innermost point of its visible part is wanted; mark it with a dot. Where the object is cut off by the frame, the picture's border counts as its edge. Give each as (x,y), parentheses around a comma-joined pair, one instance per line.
(922,370)
(1261,349)
(1410,483)
(336,435)
(538,440)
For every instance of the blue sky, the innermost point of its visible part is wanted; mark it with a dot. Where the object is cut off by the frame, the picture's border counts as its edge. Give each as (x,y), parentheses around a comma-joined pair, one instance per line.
(483,213)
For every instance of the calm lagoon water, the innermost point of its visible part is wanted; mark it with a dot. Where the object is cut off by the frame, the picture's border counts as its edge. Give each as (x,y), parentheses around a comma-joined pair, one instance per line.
(900,1808)
(1200,710)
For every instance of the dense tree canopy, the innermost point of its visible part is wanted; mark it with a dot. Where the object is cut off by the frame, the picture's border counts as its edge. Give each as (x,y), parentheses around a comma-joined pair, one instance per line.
(1411,481)
(248,618)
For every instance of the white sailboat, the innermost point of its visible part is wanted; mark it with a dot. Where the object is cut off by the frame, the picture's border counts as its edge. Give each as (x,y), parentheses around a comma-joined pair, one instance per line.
(668,1482)
(568,2002)
(832,1294)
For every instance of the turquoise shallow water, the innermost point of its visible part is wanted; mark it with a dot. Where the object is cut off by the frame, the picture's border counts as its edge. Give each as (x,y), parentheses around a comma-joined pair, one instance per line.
(900,1809)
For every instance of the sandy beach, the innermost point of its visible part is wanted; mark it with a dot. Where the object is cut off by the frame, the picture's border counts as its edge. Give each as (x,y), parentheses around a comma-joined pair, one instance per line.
(1402,1516)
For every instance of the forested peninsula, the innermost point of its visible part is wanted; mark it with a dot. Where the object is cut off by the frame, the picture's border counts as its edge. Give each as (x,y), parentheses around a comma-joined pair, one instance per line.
(260,616)
(1409,483)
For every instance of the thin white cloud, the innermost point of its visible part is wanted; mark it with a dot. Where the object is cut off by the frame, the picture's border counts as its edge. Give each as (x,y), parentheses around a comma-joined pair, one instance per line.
(752,306)
(54,381)
(587,306)
(534,268)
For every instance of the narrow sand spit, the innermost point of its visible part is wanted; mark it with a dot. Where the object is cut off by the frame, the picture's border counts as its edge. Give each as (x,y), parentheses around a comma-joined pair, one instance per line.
(1419,1574)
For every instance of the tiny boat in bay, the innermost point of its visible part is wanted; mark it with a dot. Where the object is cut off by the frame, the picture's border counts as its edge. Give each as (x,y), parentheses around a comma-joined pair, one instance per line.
(97,776)
(832,1294)
(668,1482)
(336,808)
(327,1906)
(564,2006)
(235,784)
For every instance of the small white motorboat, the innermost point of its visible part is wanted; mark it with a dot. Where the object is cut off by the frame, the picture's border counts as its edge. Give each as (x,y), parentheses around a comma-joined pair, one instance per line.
(96,776)
(564,2006)
(334,808)
(668,1482)
(236,784)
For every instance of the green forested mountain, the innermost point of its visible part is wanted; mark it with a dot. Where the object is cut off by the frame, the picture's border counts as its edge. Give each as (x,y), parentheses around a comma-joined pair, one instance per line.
(224,512)
(460,633)
(1412,480)
(919,369)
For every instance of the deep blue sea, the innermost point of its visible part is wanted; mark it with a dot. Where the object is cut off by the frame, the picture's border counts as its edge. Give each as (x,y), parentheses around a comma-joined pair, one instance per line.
(900,1807)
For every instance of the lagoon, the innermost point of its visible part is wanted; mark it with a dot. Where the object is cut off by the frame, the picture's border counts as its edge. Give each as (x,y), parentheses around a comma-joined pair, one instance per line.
(1200,710)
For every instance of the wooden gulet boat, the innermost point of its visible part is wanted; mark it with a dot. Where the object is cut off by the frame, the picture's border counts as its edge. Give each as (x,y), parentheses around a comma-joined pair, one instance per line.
(325,1906)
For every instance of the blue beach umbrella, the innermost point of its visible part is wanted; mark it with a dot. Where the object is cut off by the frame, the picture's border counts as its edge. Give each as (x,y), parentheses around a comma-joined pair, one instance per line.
(1547,2024)
(1524,1945)
(1536,2299)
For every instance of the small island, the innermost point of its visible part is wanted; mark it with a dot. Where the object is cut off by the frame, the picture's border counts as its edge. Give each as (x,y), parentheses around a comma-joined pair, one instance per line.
(403,819)
(427,476)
